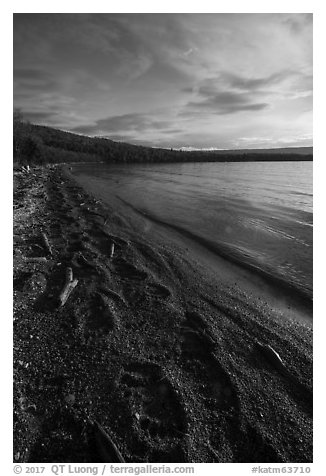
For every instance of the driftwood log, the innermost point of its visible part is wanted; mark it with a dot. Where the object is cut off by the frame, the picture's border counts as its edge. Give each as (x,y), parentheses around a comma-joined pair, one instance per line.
(107,448)
(36,259)
(47,243)
(300,388)
(68,287)
(83,260)
(274,359)
(112,251)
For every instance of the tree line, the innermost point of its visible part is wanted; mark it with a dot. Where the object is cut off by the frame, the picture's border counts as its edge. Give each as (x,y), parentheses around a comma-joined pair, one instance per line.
(34,144)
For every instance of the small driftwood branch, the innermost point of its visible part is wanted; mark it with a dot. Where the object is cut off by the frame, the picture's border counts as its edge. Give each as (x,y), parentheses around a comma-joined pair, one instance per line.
(68,287)
(36,259)
(274,359)
(112,251)
(47,243)
(84,260)
(108,450)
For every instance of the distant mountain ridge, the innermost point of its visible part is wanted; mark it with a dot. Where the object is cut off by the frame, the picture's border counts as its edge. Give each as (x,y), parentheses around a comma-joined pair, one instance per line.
(43,144)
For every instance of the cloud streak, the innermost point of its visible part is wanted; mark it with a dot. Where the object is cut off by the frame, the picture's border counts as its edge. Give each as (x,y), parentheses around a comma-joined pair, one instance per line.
(230,93)
(126,123)
(223,103)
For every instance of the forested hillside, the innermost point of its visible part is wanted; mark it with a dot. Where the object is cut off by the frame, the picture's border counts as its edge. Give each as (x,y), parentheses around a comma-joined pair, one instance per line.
(35,144)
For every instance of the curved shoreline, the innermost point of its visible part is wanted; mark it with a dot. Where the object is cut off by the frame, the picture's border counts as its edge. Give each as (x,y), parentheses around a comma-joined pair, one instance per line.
(303,296)
(281,295)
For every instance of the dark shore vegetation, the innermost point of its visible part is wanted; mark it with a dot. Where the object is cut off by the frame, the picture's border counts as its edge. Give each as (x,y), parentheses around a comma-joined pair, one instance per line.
(35,144)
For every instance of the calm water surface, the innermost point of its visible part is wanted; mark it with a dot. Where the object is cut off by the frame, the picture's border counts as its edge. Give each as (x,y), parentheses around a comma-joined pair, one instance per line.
(258,214)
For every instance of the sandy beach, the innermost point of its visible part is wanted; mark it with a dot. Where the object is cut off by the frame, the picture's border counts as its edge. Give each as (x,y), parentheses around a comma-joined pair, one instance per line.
(179,356)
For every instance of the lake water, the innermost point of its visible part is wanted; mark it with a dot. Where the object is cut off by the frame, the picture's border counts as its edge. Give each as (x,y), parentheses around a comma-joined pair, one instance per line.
(257,214)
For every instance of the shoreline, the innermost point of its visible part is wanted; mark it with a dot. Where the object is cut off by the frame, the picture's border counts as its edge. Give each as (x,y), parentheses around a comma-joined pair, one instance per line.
(150,343)
(289,301)
(274,285)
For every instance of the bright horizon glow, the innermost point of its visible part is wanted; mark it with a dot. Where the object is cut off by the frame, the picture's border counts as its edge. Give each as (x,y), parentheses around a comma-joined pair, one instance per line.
(182,81)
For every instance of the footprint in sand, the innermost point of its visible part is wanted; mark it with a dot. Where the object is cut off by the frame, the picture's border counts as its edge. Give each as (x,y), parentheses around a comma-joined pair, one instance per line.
(128,271)
(157,291)
(102,316)
(76,246)
(148,292)
(104,242)
(256,447)
(85,267)
(100,234)
(20,280)
(155,404)
(198,347)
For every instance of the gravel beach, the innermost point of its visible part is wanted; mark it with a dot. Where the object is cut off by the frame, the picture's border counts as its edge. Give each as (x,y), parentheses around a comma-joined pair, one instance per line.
(124,330)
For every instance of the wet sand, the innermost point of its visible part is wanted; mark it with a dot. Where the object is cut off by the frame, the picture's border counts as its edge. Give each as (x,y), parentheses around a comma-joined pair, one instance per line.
(161,343)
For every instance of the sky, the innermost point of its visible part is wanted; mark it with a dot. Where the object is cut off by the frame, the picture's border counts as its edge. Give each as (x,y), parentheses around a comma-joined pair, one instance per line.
(221,81)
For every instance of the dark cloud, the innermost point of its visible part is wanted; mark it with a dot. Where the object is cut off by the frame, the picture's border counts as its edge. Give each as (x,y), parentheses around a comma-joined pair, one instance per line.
(226,81)
(188,89)
(229,93)
(30,74)
(254,84)
(173,131)
(37,117)
(224,102)
(130,139)
(132,128)
(130,122)
(51,29)
(29,79)
(222,110)
(298,22)
(134,122)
